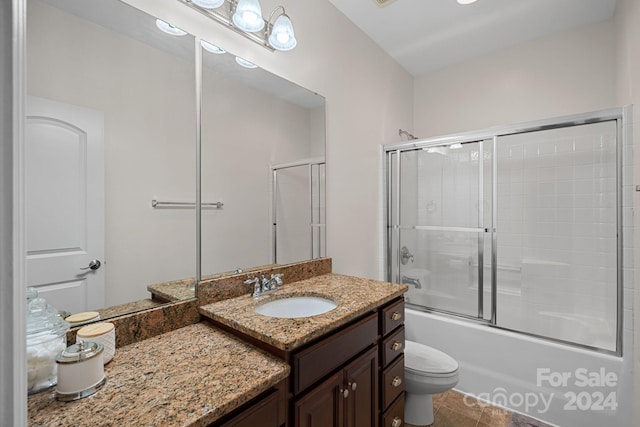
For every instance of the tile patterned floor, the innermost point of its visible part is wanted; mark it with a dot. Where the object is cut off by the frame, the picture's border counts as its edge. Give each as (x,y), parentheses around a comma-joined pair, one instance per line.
(453,409)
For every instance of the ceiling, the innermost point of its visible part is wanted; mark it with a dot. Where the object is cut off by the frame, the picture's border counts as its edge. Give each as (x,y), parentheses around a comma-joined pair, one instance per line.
(424,35)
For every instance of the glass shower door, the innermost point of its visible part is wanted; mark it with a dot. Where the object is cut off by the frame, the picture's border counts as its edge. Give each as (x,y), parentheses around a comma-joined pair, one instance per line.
(298,216)
(438,230)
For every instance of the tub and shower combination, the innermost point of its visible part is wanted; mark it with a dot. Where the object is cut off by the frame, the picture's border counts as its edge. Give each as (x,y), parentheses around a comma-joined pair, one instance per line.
(516,245)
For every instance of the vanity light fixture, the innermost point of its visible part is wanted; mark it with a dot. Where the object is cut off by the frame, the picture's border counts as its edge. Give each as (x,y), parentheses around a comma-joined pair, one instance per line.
(212,47)
(245,63)
(245,18)
(169,28)
(281,35)
(248,16)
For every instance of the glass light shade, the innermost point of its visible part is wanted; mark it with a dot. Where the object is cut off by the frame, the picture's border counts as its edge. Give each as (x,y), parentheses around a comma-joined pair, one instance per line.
(169,28)
(208,4)
(245,63)
(211,47)
(282,36)
(248,16)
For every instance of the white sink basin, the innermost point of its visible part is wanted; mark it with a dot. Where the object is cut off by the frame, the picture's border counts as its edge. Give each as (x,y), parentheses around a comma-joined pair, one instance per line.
(296,307)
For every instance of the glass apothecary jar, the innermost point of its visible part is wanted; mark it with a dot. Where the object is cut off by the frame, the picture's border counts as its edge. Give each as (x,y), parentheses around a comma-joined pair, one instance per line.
(46,337)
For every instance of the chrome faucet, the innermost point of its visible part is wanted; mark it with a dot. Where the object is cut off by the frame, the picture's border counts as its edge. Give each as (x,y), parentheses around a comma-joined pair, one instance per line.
(263,284)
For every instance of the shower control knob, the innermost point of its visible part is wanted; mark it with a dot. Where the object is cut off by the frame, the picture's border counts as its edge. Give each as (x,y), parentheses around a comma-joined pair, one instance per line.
(396,381)
(397,422)
(397,345)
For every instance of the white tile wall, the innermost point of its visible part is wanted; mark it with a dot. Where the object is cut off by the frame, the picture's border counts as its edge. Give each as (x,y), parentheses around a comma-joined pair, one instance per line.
(557,231)
(567,227)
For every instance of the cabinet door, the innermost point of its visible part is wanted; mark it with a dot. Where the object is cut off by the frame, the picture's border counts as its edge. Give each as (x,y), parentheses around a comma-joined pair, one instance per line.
(323,406)
(264,414)
(362,382)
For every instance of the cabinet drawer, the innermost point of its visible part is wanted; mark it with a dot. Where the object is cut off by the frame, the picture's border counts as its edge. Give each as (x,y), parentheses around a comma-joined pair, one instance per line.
(317,361)
(392,346)
(394,416)
(392,316)
(392,382)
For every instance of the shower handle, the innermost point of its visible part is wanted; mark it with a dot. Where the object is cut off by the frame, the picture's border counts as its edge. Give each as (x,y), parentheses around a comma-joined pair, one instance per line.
(405,255)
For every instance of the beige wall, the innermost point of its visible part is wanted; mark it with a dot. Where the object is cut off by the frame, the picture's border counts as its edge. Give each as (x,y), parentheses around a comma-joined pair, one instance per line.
(567,73)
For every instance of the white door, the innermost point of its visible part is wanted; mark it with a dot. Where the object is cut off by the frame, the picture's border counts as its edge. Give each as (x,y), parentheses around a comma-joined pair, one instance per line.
(65,204)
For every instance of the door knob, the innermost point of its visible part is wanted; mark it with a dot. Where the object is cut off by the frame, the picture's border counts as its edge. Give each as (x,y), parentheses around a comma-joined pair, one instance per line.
(93,265)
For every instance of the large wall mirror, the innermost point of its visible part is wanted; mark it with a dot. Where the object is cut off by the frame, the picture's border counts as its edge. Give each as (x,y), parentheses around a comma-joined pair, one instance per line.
(111,161)
(263,145)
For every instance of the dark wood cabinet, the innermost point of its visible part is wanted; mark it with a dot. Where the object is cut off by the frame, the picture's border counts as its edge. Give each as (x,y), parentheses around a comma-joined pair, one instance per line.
(351,377)
(361,378)
(369,357)
(346,399)
(265,410)
(392,367)
(323,406)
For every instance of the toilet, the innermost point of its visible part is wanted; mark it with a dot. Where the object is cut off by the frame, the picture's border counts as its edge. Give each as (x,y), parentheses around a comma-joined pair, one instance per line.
(427,371)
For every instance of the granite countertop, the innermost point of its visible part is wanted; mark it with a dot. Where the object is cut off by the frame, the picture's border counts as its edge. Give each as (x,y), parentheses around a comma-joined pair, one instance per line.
(181,289)
(174,290)
(355,296)
(187,377)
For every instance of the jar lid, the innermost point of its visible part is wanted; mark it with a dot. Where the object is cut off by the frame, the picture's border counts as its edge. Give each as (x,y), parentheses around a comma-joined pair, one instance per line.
(43,319)
(80,351)
(82,317)
(95,330)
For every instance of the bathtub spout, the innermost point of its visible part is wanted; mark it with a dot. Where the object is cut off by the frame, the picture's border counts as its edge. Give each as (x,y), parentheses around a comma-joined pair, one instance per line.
(411,281)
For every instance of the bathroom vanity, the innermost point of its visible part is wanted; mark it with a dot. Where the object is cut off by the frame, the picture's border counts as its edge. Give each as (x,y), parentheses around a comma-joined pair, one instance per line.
(238,368)
(347,365)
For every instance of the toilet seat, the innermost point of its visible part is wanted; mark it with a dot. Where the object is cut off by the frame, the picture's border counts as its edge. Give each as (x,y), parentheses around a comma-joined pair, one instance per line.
(423,360)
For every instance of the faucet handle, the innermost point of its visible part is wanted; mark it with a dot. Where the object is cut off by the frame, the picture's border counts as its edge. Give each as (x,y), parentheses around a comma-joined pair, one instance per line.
(277,279)
(257,289)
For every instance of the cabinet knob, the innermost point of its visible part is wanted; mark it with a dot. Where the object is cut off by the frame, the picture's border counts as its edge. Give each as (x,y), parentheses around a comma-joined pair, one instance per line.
(345,392)
(397,422)
(354,385)
(397,345)
(396,381)
(395,316)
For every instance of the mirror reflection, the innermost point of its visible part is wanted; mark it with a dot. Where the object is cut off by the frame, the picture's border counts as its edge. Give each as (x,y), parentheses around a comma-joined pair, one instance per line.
(255,124)
(111,152)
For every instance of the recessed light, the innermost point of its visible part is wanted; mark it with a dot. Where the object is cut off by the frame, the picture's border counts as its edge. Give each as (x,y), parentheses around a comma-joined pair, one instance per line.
(208,4)
(211,47)
(169,28)
(245,63)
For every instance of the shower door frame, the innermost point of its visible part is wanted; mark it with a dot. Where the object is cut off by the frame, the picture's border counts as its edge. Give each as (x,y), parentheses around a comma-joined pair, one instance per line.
(316,245)
(620,116)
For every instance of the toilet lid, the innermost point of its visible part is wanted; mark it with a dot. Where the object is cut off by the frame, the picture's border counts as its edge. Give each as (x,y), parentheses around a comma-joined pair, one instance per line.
(421,358)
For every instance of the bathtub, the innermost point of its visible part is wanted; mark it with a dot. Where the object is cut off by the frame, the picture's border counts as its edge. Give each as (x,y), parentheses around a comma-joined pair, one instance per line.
(558,384)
